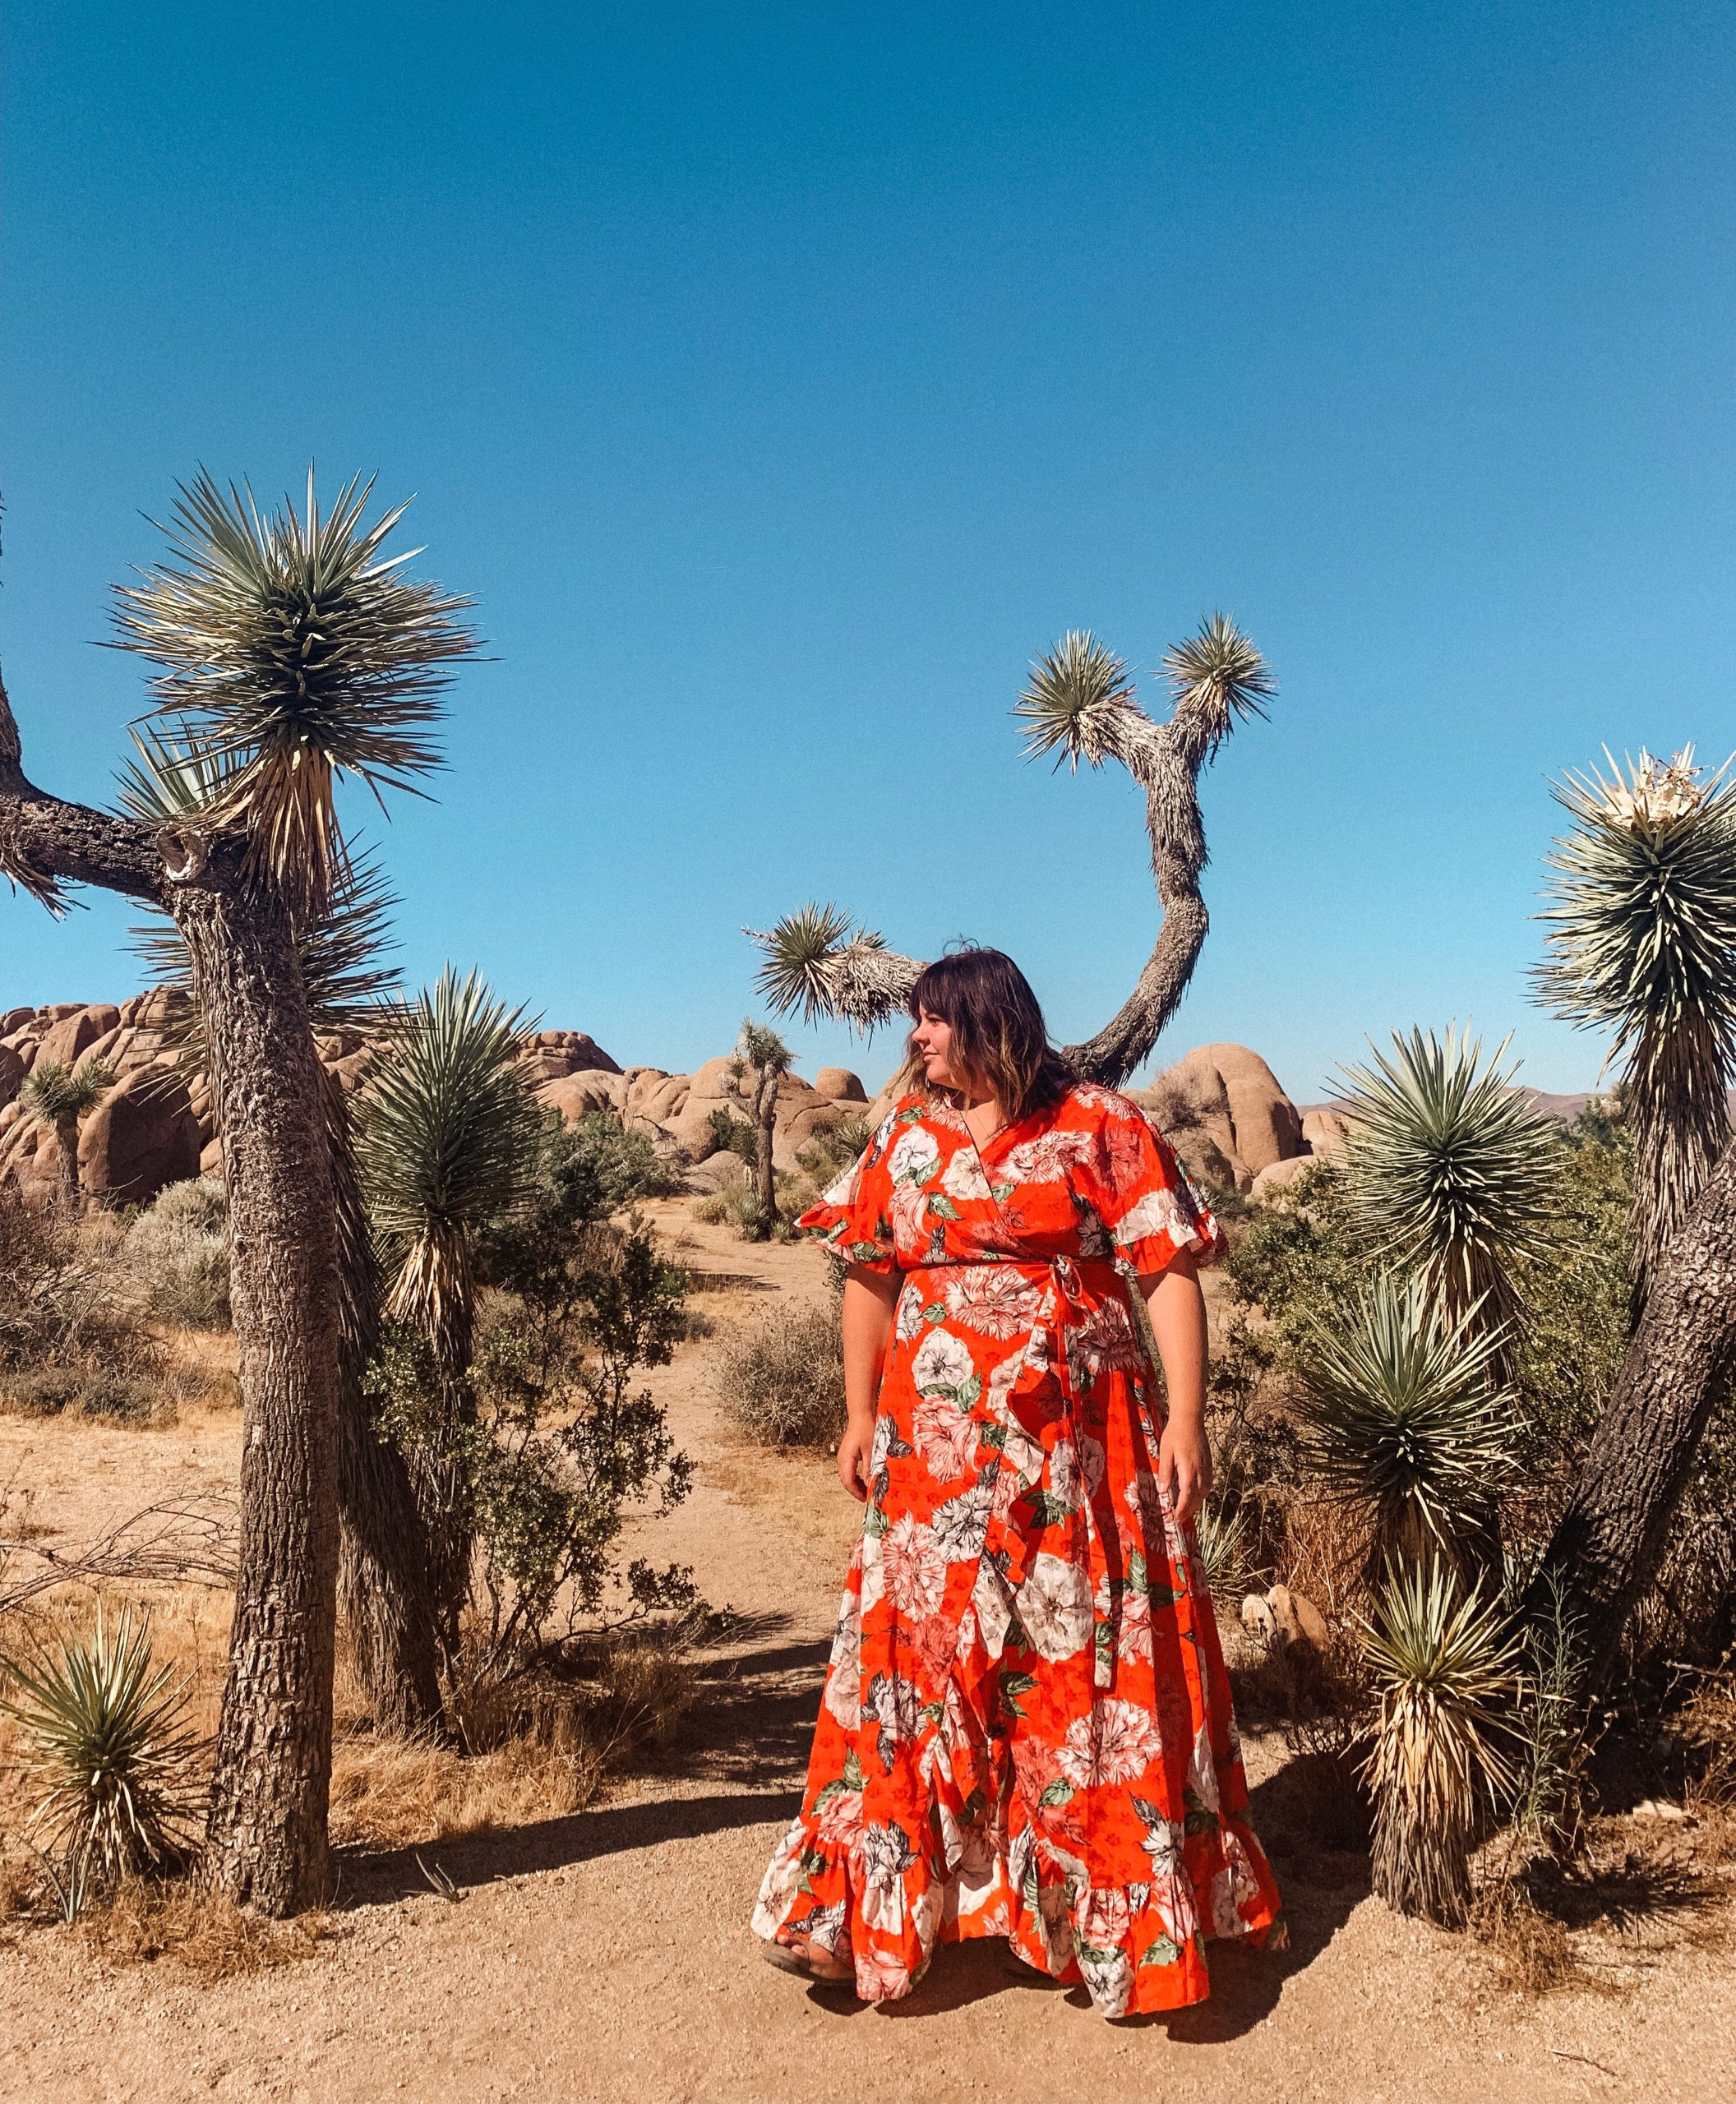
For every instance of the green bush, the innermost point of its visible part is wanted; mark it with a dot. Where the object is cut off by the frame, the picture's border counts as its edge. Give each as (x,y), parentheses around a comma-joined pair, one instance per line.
(734,1135)
(178,1252)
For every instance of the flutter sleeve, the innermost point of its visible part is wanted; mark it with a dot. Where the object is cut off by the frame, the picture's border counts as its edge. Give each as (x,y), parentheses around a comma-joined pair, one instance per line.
(1142,1195)
(854,1218)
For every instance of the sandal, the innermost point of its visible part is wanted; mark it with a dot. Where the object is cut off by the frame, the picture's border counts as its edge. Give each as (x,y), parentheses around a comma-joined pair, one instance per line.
(787,1960)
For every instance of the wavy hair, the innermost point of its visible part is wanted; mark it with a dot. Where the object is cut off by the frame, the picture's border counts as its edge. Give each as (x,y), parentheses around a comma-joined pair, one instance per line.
(999,1038)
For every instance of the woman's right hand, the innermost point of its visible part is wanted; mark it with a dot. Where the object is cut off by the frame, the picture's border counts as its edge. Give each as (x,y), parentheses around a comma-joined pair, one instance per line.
(855,1451)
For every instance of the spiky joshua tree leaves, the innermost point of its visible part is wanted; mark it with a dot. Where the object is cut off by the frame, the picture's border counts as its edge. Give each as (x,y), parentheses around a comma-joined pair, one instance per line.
(1081,704)
(449,1134)
(290,652)
(1406,1421)
(293,653)
(60,1096)
(1448,1666)
(1450,1169)
(1641,942)
(108,1727)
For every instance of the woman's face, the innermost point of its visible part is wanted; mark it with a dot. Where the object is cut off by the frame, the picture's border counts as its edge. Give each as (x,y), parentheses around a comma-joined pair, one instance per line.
(933,1038)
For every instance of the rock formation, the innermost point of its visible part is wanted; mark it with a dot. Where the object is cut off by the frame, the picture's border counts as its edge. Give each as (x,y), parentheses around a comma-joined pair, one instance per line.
(1220,1106)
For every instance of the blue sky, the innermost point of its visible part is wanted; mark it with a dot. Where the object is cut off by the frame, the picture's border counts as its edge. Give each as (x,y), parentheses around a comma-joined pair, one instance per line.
(781,379)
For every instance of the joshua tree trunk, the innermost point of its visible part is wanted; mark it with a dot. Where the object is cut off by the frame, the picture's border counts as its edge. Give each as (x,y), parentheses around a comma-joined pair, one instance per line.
(265,1840)
(266,1834)
(1110,1056)
(765,1125)
(1607,1547)
(66,1164)
(385,1590)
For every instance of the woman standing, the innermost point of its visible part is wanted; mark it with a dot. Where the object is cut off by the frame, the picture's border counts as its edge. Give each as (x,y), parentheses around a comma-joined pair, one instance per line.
(1026,1730)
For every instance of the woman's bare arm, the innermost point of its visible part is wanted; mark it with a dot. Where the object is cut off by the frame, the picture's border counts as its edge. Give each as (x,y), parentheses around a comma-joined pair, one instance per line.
(1178,1311)
(869,1299)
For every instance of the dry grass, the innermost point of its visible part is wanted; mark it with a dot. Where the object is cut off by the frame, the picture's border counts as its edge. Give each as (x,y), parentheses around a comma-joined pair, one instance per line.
(540,1747)
(195,1932)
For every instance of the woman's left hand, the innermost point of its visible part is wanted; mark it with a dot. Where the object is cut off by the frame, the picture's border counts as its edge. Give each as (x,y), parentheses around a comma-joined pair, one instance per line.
(1185,1467)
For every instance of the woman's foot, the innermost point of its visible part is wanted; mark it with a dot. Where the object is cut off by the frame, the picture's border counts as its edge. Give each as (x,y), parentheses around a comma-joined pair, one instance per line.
(821,1966)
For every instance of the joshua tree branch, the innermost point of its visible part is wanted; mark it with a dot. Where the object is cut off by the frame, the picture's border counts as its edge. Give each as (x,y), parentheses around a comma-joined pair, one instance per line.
(46,841)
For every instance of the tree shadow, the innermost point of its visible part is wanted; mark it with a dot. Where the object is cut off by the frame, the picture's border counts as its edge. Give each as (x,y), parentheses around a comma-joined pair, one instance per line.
(472,1859)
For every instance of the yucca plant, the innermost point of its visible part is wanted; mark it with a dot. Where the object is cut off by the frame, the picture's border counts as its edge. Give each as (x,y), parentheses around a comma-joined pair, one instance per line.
(1406,1418)
(1452,1171)
(1221,1540)
(293,653)
(1445,1661)
(448,1142)
(1081,703)
(107,1726)
(60,1096)
(1641,942)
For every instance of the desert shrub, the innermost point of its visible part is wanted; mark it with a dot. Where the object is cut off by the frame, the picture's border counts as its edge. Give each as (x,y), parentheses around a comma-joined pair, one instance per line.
(61,1296)
(732,1134)
(562,1443)
(832,1150)
(600,1168)
(782,1377)
(97,1392)
(738,1206)
(177,1251)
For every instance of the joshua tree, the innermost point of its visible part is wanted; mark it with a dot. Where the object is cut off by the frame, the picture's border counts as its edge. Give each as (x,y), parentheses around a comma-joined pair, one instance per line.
(1080,704)
(385,1589)
(1451,1171)
(1641,940)
(291,654)
(60,1096)
(761,1061)
(449,1134)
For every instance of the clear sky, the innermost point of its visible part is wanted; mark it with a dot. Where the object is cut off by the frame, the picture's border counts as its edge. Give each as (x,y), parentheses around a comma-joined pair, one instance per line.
(780,379)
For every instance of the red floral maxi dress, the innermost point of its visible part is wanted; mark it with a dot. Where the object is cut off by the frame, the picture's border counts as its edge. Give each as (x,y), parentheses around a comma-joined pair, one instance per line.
(1026,1729)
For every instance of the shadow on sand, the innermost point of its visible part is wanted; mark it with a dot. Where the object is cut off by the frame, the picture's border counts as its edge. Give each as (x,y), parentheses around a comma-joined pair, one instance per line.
(751,1727)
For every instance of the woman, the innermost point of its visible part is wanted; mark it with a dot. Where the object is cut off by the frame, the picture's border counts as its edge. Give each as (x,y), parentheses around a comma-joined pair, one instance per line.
(1026,1730)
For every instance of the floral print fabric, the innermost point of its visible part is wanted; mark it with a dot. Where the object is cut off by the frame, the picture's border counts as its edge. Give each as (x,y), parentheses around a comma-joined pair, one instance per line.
(1026,1729)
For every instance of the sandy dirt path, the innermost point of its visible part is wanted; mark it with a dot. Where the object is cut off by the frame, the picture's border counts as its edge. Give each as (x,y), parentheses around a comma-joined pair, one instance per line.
(606,1956)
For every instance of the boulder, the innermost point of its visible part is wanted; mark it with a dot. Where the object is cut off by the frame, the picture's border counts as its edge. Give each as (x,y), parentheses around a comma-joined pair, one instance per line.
(1221,1104)
(15,1019)
(806,1124)
(142,1136)
(1276,1175)
(70,1037)
(592,1089)
(721,1170)
(838,1085)
(11,1073)
(1325,1131)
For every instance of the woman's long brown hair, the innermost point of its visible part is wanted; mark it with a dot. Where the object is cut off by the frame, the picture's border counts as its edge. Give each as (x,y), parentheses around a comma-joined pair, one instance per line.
(999,1038)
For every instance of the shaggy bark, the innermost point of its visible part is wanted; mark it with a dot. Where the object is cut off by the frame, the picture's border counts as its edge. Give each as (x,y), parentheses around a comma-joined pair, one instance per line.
(1165,763)
(1610,1539)
(765,1128)
(66,1164)
(266,1838)
(266,1832)
(385,1592)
